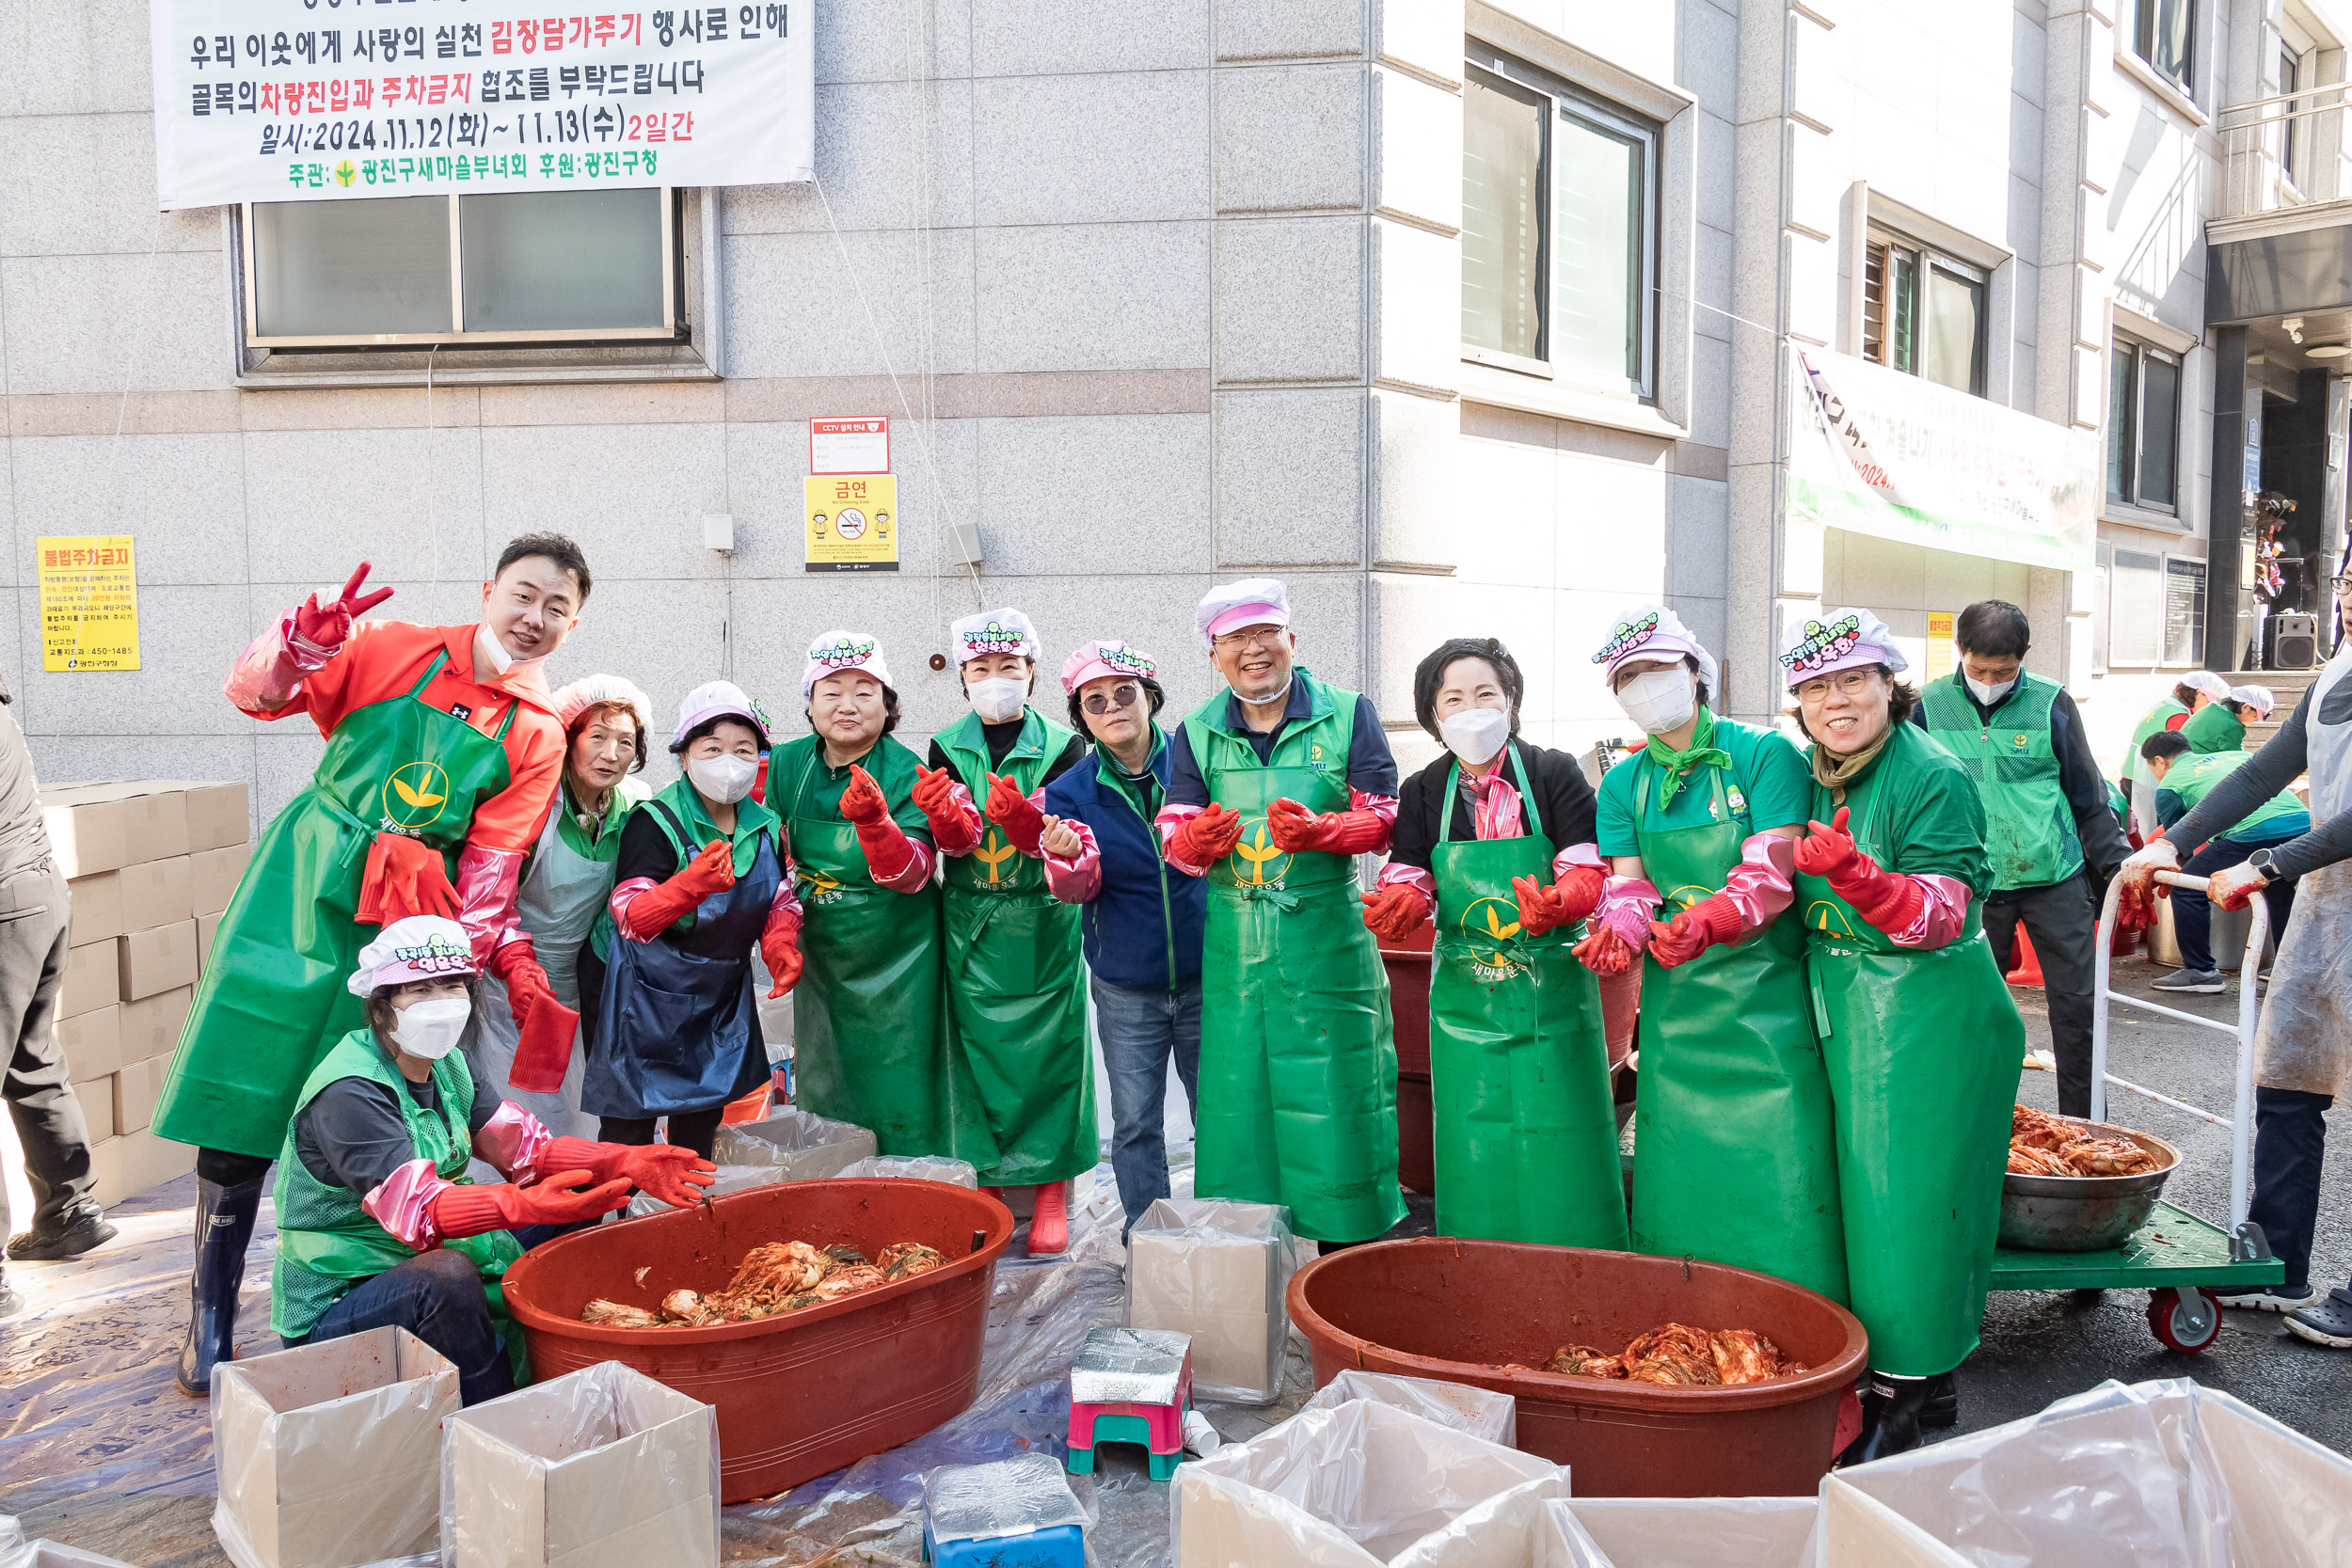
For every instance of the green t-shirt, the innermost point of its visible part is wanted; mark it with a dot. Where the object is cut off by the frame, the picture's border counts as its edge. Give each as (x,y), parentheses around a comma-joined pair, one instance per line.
(1767,772)
(1925,810)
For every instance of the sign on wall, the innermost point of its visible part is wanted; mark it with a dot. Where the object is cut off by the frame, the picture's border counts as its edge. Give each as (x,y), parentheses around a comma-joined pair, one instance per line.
(89,603)
(313,99)
(859,445)
(1874,451)
(852,522)
(1942,648)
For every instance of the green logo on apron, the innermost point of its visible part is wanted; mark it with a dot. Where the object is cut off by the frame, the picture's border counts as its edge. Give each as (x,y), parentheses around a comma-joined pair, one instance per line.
(992,853)
(414,796)
(1822,915)
(1258,850)
(1488,925)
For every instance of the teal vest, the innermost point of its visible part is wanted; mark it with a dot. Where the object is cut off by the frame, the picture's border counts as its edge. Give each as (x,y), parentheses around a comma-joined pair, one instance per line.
(2192,777)
(2030,839)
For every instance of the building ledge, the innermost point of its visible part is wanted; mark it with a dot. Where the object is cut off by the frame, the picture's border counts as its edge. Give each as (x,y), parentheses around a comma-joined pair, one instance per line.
(2280,220)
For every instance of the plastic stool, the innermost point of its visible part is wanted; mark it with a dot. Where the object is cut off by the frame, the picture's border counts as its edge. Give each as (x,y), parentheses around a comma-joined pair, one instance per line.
(1063,1546)
(1158,1428)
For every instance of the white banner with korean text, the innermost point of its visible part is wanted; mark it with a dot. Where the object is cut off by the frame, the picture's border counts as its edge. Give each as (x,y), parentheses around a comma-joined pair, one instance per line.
(1875,451)
(312,100)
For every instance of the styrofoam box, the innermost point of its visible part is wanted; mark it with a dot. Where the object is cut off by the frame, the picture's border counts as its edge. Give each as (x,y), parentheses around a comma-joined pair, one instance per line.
(329,1455)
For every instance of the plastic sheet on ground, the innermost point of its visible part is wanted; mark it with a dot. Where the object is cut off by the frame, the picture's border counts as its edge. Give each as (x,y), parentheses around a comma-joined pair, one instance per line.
(918,1167)
(1480,1412)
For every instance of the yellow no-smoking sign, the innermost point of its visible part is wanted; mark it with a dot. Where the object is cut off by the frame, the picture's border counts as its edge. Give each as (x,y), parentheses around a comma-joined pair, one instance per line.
(852,522)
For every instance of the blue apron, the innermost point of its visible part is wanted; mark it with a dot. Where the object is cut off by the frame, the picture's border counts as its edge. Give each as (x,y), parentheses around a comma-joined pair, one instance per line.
(681,1027)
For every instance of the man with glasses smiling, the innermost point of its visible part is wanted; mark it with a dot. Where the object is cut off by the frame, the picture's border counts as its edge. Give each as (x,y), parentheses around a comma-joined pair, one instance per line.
(1277,785)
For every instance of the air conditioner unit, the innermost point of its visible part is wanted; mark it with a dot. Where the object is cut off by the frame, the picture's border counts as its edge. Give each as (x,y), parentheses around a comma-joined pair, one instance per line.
(2294,641)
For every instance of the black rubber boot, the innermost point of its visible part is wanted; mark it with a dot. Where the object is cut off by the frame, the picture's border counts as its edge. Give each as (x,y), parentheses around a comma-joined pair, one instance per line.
(224,1224)
(1941,1406)
(1890,1419)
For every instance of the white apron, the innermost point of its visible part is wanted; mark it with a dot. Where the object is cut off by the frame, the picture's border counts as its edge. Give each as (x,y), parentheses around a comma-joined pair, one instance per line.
(2304,1040)
(559,901)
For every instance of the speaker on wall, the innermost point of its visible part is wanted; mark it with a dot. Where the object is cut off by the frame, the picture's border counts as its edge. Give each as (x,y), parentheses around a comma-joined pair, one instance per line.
(2294,641)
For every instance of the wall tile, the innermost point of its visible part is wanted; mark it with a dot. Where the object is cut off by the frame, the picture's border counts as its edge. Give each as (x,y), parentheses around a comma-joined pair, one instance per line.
(62,191)
(158,323)
(892,43)
(1415,479)
(1091,149)
(176,690)
(89,57)
(181,497)
(875,163)
(766,465)
(1424,33)
(1417,148)
(1697,537)
(1290,299)
(1063,496)
(1292,139)
(1027,38)
(1290,477)
(1105,296)
(634,496)
(1416,280)
(1289,29)
(315,500)
(796,309)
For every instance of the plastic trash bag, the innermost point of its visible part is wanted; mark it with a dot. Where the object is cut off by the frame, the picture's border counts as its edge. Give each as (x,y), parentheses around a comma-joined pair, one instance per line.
(1357,1484)
(1480,1412)
(804,1146)
(919,1167)
(599,1468)
(1683,1532)
(17,1552)
(330,1454)
(1220,1272)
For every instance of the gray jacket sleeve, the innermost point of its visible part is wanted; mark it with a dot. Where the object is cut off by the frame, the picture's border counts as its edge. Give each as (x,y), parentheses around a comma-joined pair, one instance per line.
(2264,774)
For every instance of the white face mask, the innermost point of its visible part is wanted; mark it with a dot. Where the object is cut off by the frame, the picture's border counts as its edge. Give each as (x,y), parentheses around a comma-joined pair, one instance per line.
(725,779)
(999,699)
(1658,700)
(429,1030)
(493,653)
(1475,733)
(1987,695)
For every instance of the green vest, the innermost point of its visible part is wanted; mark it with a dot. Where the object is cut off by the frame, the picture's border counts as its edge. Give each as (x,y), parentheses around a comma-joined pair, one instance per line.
(2159,716)
(2030,839)
(2192,777)
(326,1243)
(2214,729)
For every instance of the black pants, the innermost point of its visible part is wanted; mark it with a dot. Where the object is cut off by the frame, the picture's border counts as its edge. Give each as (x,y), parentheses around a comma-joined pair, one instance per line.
(695,1130)
(2192,911)
(35,921)
(2290,1135)
(2064,925)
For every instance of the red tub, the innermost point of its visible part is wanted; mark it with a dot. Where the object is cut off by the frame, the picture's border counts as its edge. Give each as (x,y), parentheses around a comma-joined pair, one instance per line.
(1456,1310)
(799,1394)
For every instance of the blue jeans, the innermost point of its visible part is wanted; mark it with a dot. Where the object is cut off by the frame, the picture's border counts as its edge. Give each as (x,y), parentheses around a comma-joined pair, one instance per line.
(1141,1030)
(2290,1139)
(2192,913)
(438,1296)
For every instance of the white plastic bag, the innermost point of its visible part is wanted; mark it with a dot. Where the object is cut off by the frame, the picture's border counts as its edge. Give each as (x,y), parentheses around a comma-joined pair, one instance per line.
(1684,1532)
(806,1147)
(1354,1486)
(1480,1412)
(918,1167)
(1217,1270)
(329,1455)
(599,1468)
(17,1552)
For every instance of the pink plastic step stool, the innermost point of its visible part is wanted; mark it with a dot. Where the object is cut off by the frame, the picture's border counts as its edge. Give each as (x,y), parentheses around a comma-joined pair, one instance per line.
(1153,1368)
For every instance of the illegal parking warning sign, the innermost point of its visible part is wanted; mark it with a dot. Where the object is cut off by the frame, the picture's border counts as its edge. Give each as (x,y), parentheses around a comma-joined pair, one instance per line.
(316,100)
(89,603)
(850,446)
(852,522)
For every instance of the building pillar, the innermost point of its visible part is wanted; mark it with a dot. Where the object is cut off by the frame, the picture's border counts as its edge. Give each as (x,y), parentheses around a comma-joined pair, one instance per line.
(2229,571)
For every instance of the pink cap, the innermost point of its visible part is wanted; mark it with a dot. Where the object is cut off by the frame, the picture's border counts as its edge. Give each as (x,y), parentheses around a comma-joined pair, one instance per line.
(417,947)
(1651,632)
(1100,658)
(1837,640)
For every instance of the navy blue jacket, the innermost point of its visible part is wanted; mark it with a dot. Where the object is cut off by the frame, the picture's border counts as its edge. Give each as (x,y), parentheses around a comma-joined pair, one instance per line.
(1143,927)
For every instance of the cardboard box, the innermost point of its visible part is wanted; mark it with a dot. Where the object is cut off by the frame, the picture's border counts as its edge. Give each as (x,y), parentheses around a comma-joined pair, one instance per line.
(329,1455)
(156,893)
(1219,1271)
(98,1107)
(85,836)
(94,979)
(219,814)
(212,875)
(138,1086)
(151,1026)
(92,1043)
(97,907)
(157,961)
(206,924)
(135,1163)
(599,1468)
(154,816)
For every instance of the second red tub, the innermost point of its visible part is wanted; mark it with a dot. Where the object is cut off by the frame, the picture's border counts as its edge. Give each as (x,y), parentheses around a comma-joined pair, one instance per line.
(802,1394)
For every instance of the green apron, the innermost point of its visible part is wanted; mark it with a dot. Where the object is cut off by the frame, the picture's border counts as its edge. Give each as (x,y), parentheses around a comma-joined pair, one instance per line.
(274,989)
(1016,979)
(326,1243)
(1923,1051)
(869,1028)
(1526,1127)
(1298,1058)
(1734,1157)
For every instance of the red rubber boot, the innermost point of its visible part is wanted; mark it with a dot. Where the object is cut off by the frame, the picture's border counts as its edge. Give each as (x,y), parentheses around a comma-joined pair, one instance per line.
(1049,1226)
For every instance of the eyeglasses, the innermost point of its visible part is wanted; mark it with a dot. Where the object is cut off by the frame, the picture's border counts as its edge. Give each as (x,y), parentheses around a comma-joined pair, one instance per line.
(1249,636)
(1846,683)
(1121,695)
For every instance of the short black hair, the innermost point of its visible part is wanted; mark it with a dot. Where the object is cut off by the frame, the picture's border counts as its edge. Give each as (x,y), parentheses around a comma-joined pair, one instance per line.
(561,551)
(710,725)
(2186,695)
(1151,690)
(890,710)
(1993,627)
(1900,700)
(2164,743)
(1430,675)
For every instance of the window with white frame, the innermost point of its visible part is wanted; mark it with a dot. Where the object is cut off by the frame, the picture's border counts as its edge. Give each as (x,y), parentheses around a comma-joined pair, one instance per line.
(2165,35)
(1559,230)
(1923,312)
(2143,424)
(499,268)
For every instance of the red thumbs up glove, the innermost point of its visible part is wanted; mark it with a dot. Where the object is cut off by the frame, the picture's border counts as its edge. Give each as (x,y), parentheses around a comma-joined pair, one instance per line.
(403,877)
(1695,930)
(1293,828)
(464,1209)
(1887,899)
(1205,838)
(862,800)
(954,824)
(780,945)
(884,844)
(656,909)
(1013,811)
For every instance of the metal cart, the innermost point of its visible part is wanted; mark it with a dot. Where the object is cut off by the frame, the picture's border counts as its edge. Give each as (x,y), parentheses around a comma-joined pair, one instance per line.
(2188,1262)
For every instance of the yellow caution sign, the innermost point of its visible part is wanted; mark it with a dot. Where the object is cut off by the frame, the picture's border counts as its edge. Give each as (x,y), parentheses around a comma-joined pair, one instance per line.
(89,603)
(852,522)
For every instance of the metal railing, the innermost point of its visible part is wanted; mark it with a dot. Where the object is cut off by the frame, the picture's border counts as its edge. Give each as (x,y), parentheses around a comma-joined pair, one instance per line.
(2284,152)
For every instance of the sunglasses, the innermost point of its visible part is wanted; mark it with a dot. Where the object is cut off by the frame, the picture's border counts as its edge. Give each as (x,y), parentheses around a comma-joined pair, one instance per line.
(1122,695)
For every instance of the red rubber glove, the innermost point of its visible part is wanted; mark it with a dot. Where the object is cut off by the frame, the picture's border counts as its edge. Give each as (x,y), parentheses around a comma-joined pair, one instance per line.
(1393,913)
(1012,810)
(1889,900)
(2233,887)
(1544,906)
(657,908)
(1604,952)
(1293,828)
(517,963)
(780,945)
(935,797)
(327,625)
(1695,930)
(862,802)
(543,1052)
(670,1172)
(465,1209)
(403,877)
(1207,838)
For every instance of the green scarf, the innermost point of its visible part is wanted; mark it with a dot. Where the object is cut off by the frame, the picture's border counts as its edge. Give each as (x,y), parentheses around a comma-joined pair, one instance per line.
(1677,765)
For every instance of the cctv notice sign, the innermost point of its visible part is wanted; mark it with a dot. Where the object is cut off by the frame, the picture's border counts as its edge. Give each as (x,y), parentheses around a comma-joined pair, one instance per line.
(319,100)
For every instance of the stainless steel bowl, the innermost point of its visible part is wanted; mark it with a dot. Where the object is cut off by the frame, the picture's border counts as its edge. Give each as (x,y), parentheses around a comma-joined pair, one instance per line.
(2084,1213)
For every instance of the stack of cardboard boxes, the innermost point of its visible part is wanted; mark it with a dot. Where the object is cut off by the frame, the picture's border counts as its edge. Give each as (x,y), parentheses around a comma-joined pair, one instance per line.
(151,863)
